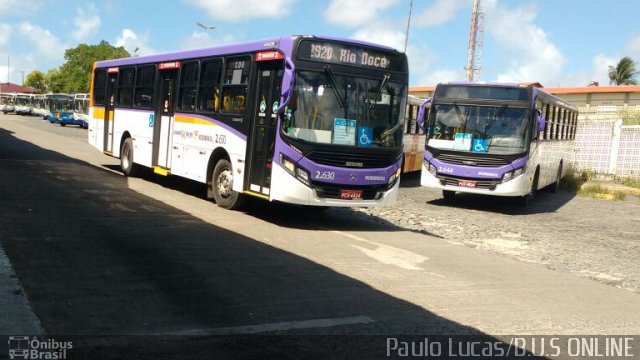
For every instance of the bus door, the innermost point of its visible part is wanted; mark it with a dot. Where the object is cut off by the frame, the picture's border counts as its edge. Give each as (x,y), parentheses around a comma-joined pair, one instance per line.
(164,117)
(108,111)
(264,122)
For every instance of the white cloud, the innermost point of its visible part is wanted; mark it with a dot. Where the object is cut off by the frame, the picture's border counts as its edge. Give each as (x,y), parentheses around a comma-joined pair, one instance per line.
(22,7)
(441,75)
(132,42)
(87,21)
(6,31)
(601,65)
(354,13)
(195,40)
(383,34)
(440,12)
(534,57)
(240,10)
(45,43)
(632,48)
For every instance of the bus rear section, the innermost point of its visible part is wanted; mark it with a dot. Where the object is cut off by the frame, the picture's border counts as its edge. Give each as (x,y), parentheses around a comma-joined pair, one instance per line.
(488,139)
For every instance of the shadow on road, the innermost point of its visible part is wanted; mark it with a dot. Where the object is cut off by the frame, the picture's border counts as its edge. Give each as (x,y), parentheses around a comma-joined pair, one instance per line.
(96,258)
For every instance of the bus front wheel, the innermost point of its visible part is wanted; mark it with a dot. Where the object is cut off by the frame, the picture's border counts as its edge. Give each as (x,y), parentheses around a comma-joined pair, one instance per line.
(222,186)
(128,167)
(448,194)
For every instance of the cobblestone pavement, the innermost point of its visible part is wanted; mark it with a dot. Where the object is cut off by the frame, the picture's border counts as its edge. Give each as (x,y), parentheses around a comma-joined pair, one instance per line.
(598,239)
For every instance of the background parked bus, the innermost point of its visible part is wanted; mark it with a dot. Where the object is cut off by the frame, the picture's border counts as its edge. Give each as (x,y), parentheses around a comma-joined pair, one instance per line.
(24,104)
(303,120)
(61,109)
(414,137)
(8,101)
(81,110)
(39,108)
(497,139)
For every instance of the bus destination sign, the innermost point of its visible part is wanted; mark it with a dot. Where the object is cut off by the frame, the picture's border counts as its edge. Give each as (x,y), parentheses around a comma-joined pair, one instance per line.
(349,55)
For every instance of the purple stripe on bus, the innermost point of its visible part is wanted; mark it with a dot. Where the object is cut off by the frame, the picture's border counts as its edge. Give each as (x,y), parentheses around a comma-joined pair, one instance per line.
(474,172)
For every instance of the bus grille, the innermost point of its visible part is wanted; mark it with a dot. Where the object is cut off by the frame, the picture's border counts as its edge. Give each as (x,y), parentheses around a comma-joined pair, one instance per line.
(472,160)
(327,191)
(480,184)
(362,161)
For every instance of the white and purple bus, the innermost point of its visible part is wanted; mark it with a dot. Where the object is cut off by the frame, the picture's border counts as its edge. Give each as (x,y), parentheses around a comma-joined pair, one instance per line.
(304,119)
(497,139)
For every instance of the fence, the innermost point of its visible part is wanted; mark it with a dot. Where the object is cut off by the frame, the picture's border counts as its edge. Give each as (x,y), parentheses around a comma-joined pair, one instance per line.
(607,147)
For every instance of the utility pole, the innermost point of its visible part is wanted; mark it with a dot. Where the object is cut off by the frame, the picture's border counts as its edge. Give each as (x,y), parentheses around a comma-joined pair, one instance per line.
(406,34)
(476,34)
(22,83)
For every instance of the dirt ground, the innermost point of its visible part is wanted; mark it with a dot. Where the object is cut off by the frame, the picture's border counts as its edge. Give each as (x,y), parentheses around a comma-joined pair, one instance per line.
(594,238)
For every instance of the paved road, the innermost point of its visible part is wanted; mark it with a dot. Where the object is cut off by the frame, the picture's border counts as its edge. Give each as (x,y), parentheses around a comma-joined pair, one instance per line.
(100,254)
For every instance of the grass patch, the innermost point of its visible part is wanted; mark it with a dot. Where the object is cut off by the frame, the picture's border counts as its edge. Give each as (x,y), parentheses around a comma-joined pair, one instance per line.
(571,182)
(631,183)
(597,191)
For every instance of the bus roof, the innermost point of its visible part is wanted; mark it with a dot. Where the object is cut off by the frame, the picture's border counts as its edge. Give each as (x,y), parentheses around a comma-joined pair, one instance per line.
(285,43)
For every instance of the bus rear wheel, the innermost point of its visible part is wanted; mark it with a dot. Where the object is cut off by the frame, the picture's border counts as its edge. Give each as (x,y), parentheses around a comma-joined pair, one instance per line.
(558,183)
(222,186)
(128,167)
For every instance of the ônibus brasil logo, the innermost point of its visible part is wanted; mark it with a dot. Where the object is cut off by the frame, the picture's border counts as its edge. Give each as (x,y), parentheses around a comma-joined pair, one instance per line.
(32,348)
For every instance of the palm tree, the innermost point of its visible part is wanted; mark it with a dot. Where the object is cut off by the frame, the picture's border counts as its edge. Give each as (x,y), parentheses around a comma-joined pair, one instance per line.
(623,73)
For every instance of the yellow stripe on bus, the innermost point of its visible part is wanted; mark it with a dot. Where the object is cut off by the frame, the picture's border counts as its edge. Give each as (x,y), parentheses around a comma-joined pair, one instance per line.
(248,192)
(193,120)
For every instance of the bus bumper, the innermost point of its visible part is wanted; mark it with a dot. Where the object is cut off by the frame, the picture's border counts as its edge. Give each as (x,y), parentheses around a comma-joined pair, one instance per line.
(518,186)
(286,188)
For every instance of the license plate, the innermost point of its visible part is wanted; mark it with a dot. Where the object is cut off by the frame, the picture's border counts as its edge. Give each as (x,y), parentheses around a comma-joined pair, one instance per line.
(350,194)
(467,183)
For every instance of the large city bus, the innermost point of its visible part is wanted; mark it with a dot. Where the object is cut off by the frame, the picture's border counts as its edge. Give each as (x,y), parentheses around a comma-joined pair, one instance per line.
(305,120)
(497,139)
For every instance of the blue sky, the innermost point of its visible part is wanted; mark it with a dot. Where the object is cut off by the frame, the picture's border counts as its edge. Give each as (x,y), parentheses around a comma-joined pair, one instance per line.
(556,42)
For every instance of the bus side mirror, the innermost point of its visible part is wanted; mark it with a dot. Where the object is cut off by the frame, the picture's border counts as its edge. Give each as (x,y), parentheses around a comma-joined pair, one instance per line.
(287,84)
(421,112)
(541,120)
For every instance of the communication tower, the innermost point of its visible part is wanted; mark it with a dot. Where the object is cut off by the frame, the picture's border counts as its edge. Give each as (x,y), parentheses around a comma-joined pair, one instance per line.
(474,54)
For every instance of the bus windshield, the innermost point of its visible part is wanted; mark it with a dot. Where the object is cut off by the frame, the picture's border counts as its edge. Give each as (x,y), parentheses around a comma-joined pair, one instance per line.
(480,129)
(345,110)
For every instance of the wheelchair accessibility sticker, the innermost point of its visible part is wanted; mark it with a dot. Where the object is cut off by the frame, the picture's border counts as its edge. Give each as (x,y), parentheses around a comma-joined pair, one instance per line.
(365,136)
(479,145)
(151,120)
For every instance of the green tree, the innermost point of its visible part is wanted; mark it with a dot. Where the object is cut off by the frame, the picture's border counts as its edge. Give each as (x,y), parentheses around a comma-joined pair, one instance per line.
(36,80)
(54,80)
(623,73)
(76,71)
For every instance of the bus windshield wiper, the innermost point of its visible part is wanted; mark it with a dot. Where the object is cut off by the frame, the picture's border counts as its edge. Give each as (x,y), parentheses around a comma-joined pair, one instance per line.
(383,84)
(334,87)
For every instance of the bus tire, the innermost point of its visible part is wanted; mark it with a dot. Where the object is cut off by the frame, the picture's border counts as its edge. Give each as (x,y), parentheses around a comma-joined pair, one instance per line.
(448,194)
(556,185)
(62,124)
(222,186)
(128,167)
(527,199)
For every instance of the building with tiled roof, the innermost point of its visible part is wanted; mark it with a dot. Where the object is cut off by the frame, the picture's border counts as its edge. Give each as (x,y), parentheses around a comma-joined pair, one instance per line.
(15,88)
